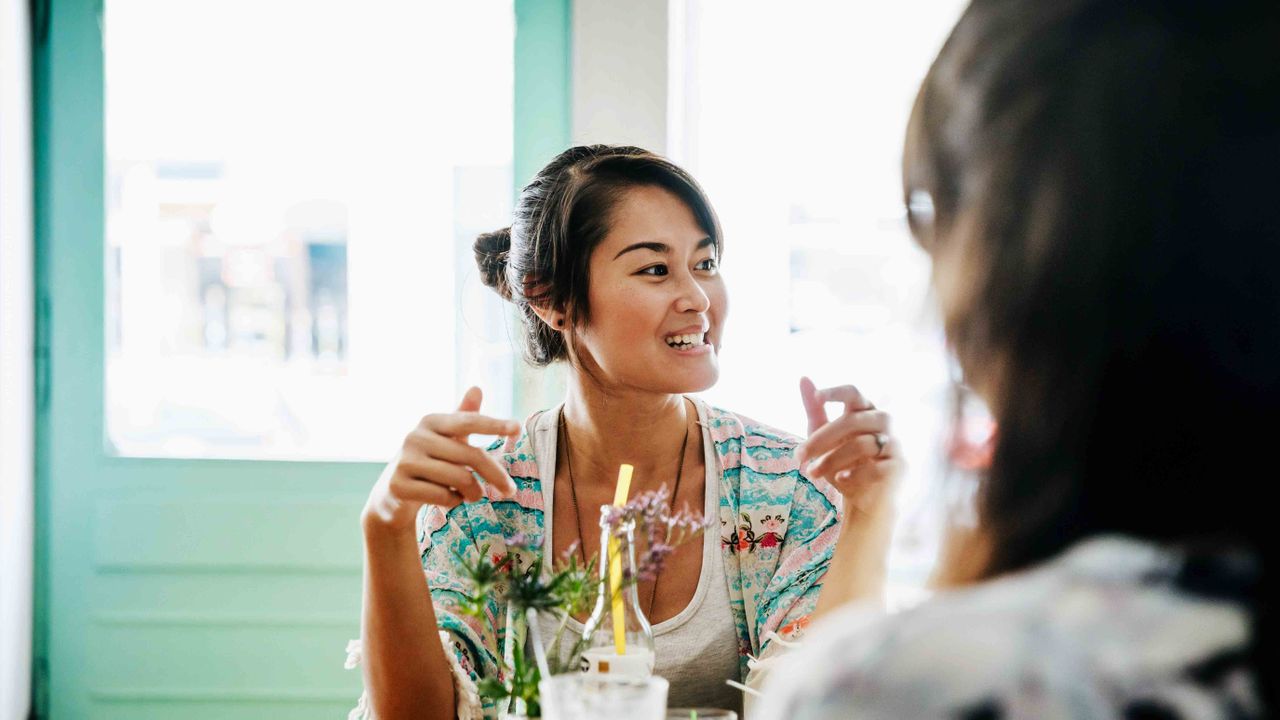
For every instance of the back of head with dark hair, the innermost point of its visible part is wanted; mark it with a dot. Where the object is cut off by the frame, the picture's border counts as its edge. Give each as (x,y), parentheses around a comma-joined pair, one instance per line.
(1105,185)
(560,218)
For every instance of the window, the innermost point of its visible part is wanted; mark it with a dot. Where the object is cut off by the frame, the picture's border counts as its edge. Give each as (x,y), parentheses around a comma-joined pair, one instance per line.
(792,115)
(293,190)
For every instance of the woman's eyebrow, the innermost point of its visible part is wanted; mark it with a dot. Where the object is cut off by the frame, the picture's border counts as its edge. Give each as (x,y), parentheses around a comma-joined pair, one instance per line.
(654,246)
(661,248)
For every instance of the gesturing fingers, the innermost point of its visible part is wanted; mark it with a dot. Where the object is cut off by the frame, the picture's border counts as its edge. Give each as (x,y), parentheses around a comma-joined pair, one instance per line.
(843,430)
(471,400)
(852,398)
(438,472)
(461,424)
(414,489)
(850,454)
(813,407)
(461,455)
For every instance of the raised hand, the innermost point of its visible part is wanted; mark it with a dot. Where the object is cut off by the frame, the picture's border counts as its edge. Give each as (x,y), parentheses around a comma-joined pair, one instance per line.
(437,466)
(854,452)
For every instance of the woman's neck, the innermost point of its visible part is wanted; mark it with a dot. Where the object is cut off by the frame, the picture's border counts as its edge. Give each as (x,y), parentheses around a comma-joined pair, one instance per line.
(608,427)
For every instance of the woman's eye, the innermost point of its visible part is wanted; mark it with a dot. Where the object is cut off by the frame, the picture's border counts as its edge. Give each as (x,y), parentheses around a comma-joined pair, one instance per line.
(655,270)
(709,265)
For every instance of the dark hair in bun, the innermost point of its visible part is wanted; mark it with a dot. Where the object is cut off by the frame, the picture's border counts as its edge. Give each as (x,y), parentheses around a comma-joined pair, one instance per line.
(492,249)
(560,218)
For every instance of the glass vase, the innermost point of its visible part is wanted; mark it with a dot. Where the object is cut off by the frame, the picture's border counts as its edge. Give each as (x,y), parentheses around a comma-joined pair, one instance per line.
(617,623)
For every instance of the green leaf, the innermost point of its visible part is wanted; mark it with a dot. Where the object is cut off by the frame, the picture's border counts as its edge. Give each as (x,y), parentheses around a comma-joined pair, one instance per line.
(492,689)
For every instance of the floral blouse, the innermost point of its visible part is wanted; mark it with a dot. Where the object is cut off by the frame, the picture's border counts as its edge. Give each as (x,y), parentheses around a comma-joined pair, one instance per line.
(778,532)
(1113,628)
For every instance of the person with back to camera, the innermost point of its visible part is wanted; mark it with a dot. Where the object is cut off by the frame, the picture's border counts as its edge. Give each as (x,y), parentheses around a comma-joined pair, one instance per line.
(613,263)
(1096,182)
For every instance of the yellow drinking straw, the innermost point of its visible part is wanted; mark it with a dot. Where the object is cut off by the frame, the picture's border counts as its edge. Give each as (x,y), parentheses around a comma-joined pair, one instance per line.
(615,564)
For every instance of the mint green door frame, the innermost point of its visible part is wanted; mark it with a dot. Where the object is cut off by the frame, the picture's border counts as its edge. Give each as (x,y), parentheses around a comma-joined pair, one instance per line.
(189,588)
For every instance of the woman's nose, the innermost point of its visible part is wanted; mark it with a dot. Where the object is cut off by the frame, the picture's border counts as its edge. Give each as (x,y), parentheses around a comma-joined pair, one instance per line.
(692,297)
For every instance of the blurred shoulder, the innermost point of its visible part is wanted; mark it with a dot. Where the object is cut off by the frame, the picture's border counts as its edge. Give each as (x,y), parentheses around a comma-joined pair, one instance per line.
(1104,630)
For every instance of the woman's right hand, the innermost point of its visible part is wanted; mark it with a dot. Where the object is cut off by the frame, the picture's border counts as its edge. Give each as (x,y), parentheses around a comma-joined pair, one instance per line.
(435,467)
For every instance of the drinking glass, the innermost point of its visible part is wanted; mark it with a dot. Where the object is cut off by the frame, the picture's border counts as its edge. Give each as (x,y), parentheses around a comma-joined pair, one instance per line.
(578,696)
(701,713)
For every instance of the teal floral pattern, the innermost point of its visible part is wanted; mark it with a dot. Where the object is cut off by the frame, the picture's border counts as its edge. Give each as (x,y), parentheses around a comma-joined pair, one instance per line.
(744,538)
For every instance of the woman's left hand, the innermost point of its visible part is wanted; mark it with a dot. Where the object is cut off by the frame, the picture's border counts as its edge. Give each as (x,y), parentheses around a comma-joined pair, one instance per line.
(854,452)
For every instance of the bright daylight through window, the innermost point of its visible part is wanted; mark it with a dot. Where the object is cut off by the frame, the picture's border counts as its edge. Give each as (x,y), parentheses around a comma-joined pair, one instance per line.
(798,141)
(292,193)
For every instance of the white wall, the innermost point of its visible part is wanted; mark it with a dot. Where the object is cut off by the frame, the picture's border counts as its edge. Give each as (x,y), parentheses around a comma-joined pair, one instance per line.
(16,374)
(620,72)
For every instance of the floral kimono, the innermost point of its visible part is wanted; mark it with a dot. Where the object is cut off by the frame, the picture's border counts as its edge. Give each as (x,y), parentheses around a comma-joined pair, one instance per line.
(778,532)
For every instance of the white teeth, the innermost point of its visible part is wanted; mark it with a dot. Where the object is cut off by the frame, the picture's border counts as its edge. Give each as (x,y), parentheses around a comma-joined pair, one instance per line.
(691,339)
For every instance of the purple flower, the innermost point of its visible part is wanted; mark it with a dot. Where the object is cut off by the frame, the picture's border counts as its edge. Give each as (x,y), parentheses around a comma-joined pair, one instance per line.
(655,527)
(570,551)
(654,560)
(612,517)
(521,541)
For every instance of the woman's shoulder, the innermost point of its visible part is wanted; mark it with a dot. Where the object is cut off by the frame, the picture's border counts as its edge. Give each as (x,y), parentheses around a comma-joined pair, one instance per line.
(1106,628)
(760,465)
(727,425)
(760,449)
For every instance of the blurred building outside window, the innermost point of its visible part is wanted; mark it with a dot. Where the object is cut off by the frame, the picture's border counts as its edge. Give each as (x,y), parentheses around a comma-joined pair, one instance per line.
(292,193)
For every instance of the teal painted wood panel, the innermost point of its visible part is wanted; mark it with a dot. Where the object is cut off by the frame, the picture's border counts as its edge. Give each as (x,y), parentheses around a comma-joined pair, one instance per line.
(219,709)
(195,532)
(157,656)
(191,588)
(542,102)
(543,129)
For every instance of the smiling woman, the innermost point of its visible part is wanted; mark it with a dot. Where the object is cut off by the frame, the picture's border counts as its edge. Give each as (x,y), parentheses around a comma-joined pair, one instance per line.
(653,212)
(654,209)
(656,279)
(612,259)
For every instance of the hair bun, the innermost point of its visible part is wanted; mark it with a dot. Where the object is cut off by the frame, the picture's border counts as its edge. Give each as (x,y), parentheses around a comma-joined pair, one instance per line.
(492,249)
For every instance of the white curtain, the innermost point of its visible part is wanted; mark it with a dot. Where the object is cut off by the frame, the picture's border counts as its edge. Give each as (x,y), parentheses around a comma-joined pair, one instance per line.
(17,468)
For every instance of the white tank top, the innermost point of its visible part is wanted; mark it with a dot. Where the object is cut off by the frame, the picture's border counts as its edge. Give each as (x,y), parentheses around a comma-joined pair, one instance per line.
(697,650)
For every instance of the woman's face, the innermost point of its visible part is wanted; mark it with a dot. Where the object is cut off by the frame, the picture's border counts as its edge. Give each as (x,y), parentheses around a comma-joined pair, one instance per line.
(657,301)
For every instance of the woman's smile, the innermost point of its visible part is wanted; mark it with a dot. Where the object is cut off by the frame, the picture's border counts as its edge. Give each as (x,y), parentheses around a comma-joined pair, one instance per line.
(689,341)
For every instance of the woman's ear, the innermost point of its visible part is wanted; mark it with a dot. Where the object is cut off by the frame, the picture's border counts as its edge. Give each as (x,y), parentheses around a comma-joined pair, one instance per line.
(553,318)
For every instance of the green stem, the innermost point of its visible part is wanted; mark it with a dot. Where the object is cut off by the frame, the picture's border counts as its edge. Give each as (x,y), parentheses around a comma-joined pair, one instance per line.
(555,642)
